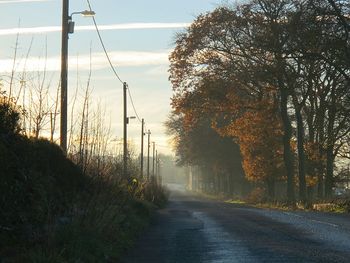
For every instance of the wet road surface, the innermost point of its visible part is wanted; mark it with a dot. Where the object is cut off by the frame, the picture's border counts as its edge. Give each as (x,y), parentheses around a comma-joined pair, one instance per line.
(194,229)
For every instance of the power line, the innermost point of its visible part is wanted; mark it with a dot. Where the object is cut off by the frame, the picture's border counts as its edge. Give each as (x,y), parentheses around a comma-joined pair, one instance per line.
(110,63)
(133,105)
(103,45)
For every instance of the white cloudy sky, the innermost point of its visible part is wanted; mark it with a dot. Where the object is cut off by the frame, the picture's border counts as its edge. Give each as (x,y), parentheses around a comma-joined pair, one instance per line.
(138,35)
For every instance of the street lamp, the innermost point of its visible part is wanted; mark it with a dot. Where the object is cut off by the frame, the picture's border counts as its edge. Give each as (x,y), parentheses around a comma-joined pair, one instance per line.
(67,28)
(71,23)
(130,118)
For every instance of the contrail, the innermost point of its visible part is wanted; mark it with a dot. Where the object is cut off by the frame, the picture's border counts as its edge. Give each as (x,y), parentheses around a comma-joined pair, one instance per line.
(21,1)
(120,58)
(129,26)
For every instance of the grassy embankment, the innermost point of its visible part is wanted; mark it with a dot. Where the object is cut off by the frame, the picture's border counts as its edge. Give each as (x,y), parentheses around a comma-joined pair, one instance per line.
(51,212)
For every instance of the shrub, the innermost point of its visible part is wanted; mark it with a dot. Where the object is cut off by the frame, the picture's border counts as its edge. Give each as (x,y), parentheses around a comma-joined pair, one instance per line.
(153,193)
(9,116)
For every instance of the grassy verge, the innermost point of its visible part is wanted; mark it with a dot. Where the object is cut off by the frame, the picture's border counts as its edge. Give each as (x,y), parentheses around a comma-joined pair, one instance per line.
(335,205)
(98,228)
(99,233)
(51,212)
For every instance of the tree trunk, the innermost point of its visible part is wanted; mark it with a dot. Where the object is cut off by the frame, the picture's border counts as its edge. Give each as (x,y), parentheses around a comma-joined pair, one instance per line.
(330,147)
(301,154)
(270,182)
(320,185)
(231,183)
(329,172)
(287,151)
(320,123)
(227,191)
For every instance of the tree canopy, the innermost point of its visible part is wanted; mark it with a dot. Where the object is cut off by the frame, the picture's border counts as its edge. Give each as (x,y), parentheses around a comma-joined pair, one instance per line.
(270,75)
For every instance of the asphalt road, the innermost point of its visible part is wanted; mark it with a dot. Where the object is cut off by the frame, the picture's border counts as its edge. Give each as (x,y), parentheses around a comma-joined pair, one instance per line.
(194,229)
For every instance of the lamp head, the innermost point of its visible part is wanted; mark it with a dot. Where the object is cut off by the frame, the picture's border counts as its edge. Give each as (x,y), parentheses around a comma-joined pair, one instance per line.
(85,13)
(88,13)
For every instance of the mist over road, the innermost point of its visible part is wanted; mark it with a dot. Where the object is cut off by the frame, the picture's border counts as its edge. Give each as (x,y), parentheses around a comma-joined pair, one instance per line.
(194,229)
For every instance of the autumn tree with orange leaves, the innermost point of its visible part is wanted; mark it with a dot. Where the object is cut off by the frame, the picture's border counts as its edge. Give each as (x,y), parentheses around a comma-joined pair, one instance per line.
(215,60)
(259,134)
(271,76)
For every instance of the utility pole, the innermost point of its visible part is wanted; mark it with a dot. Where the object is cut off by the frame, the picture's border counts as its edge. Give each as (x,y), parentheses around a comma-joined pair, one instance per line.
(154,147)
(156,172)
(52,124)
(142,134)
(148,146)
(23,86)
(51,127)
(125,122)
(64,75)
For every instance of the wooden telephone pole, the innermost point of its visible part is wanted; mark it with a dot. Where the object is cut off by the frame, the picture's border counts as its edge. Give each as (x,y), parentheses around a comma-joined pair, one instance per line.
(142,134)
(64,75)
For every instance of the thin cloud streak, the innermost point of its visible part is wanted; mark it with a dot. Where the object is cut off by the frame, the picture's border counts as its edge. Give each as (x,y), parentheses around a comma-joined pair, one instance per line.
(119,59)
(128,26)
(21,1)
